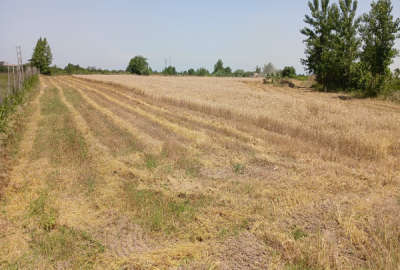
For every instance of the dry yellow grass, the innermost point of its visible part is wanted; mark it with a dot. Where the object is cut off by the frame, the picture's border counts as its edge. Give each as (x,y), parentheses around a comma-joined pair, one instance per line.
(202,173)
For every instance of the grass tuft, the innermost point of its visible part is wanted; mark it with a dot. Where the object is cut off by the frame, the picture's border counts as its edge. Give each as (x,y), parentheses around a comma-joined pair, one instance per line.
(298,234)
(45,215)
(67,244)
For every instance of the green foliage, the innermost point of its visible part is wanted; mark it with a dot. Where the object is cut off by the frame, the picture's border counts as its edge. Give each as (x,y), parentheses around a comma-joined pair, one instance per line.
(202,72)
(220,70)
(10,103)
(138,65)
(334,37)
(76,69)
(42,56)
(150,161)
(298,234)
(320,54)
(158,212)
(191,72)
(67,244)
(54,70)
(239,73)
(347,42)
(170,70)
(379,31)
(289,72)
(219,67)
(238,168)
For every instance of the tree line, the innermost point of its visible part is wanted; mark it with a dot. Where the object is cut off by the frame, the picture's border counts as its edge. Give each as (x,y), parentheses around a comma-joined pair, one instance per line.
(42,58)
(139,65)
(347,52)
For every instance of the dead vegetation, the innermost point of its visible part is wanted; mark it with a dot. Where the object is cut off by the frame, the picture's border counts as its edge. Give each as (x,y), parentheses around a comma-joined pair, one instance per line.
(202,173)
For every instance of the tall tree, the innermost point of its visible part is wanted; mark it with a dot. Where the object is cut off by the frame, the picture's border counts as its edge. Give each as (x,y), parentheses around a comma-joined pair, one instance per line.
(219,67)
(379,31)
(348,43)
(42,56)
(138,65)
(320,53)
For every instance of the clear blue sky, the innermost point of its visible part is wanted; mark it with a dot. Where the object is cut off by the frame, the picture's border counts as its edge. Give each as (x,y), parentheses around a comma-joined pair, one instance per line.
(107,34)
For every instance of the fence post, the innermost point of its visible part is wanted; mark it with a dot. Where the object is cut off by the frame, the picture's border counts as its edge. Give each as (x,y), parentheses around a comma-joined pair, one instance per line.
(8,81)
(14,81)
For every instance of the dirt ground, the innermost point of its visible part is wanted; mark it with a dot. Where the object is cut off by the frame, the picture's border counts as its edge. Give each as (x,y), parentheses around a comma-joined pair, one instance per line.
(129,172)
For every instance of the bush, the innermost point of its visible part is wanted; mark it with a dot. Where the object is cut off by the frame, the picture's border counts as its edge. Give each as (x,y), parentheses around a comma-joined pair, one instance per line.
(138,65)
(10,103)
(202,72)
(289,72)
(170,70)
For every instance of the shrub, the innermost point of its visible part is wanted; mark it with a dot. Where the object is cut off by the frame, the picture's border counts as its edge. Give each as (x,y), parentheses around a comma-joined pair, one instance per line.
(289,72)
(170,70)
(138,65)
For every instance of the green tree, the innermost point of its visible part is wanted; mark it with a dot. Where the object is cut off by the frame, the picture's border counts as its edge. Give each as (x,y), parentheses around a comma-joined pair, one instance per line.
(239,73)
(347,42)
(379,31)
(191,72)
(219,67)
(170,70)
(320,52)
(138,65)
(202,72)
(42,56)
(289,72)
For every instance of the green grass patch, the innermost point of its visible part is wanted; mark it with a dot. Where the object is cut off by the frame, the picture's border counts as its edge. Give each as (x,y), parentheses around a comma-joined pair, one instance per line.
(302,77)
(298,234)
(9,104)
(58,137)
(234,229)
(157,212)
(66,244)
(238,168)
(45,215)
(150,161)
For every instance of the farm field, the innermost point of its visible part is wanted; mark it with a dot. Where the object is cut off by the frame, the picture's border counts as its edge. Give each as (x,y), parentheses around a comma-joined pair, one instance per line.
(129,172)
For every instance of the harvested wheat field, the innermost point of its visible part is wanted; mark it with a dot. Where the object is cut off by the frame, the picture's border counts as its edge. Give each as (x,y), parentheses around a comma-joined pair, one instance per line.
(129,172)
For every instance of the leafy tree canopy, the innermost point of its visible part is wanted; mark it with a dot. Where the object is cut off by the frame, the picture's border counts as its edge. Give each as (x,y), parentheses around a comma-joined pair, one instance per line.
(170,70)
(42,56)
(289,72)
(138,65)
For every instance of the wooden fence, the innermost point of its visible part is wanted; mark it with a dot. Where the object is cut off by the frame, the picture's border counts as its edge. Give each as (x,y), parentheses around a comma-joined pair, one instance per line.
(13,81)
